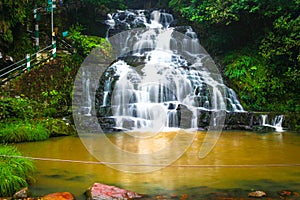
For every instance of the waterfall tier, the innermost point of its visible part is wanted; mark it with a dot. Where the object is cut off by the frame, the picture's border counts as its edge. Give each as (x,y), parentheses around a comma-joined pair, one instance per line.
(275,123)
(161,78)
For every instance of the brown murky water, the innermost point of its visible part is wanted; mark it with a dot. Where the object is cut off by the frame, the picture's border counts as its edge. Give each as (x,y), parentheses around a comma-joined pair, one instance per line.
(239,162)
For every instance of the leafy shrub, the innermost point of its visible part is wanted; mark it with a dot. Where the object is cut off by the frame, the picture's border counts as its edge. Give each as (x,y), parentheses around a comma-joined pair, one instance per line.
(18,108)
(37,130)
(249,77)
(53,101)
(256,84)
(15,173)
(84,44)
(58,127)
(23,131)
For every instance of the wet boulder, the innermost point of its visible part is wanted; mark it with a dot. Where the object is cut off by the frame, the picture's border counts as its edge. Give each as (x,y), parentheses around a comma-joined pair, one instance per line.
(257,194)
(106,192)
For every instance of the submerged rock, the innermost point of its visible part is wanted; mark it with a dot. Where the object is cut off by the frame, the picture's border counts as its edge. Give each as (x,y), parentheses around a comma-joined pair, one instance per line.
(257,194)
(24,193)
(106,192)
(264,129)
(285,193)
(59,196)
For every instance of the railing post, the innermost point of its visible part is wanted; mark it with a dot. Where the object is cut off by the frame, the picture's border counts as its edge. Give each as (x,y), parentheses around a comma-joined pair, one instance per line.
(35,12)
(37,40)
(28,62)
(54,49)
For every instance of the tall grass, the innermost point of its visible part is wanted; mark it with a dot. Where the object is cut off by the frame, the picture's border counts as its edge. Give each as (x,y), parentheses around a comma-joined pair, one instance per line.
(15,173)
(23,131)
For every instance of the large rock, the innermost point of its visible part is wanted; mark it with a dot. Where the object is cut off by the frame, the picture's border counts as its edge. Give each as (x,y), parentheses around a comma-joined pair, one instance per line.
(106,192)
(59,196)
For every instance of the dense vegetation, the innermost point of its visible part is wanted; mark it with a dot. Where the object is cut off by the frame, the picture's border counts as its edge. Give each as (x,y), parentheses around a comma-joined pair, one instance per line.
(258,44)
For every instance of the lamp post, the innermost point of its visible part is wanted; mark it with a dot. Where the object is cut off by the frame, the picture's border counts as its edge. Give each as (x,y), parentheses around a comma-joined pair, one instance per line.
(36,28)
(51,6)
(52,21)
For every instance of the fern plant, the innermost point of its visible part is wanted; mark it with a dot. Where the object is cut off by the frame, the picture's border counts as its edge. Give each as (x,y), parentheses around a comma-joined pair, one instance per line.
(15,172)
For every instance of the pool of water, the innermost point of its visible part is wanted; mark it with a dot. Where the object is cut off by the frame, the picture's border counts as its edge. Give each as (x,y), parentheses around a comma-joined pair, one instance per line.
(239,162)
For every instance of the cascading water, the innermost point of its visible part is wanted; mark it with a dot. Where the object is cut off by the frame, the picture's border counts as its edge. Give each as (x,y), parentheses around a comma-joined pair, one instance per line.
(87,108)
(159,73)
(276,123)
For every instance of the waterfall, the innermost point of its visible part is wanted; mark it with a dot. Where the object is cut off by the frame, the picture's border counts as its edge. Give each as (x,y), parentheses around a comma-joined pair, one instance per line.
(87,107)
(275,123)
(190,44)
(172,71)
(264,119)
(107,89)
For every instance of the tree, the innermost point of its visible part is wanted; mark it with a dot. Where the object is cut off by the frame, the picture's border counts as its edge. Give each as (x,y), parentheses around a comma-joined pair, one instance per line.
(12,14)
(15,17)
(267,31)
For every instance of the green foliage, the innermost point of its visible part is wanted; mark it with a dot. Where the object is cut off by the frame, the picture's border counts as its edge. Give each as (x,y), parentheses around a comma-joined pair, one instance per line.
(83,43)
(116,4)
(18,108)
(58,127)
(22,44)
(50,90)
(52,101)
(256,84)
(56,97)
(20,131)
(14,172)
(281,46)
(229,11)
(12,13)
(34,130)
(280,49)
(20,119)
(15,15)
(265,73)
(250,78)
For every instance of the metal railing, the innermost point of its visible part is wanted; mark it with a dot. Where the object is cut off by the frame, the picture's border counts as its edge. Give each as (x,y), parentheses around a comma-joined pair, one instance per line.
(27,63)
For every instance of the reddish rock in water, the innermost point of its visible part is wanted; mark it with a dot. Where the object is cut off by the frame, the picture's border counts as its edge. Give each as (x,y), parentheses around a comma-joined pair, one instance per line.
(102,192)
(59,196)
(285,193)
(184,197)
